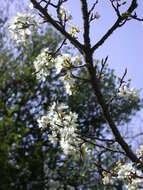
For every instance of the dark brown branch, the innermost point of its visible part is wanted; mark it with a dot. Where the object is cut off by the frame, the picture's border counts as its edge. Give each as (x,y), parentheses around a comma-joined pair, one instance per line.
(116,25)
(96,87)
(108,33)
(132,7)
(58,49)
(121,82)
(50,20)
(88,57)
(109,141)
(85,16)
(135,17)
(93,6)
(101,146)
(135,136)
(116,8)
(103,63)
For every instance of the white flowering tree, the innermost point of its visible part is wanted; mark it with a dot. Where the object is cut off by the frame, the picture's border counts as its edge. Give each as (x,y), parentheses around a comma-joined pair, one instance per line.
(62,122)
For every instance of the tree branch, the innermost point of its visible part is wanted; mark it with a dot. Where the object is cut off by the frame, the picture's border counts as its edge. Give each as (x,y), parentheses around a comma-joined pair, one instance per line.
(85,16)
(108,33)
(116,25)
(106,113)
(50,20)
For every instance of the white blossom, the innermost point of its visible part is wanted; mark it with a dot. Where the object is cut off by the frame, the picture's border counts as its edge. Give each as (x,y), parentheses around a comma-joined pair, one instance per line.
(68,82)
(129,174)
(20,27)
(134,184)
(63,125)
(31,6)
(74,30)
(64,14)
(43,64)
(58,64)
(66,61)
(140,151)
(108,179)
(62,61)
(43,121)
(126,92)
(125,170)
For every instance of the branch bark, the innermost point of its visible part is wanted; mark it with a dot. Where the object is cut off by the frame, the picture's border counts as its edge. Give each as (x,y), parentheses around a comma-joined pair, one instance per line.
(50,20)
(96,86)
(108,33)
(116,25)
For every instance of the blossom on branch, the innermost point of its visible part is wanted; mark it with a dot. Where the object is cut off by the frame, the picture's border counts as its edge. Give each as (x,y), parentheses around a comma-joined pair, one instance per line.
(140,152)
(125,92)
(43,64)
(107,179)
(126,173)
(130,175)
(74,30)
(68,82)
(67,61)
(64,14)
(21,26)
(63,125)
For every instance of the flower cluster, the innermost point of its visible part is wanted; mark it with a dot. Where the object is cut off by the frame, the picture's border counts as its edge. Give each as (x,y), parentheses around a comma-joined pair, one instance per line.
(127,173)
(107,179)
(43,64)
(21,25)
(74,30)
(132,176)
(64,14)
(125,170)
(67,61)
(126,92)
(20,30)
(68,82)
(63,125)
(140,152)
